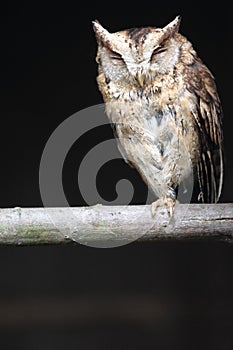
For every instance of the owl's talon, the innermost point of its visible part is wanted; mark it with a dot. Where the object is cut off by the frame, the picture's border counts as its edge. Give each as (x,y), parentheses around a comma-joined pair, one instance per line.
(168,202)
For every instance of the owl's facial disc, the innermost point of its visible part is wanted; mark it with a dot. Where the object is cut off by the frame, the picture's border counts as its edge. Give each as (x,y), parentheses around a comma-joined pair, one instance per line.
(136,53)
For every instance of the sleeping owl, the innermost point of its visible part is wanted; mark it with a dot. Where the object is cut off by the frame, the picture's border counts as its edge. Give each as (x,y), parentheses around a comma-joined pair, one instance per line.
(164,107)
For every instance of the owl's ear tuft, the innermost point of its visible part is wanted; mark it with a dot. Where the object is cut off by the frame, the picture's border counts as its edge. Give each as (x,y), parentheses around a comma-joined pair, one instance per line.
(172,27)
(102,35)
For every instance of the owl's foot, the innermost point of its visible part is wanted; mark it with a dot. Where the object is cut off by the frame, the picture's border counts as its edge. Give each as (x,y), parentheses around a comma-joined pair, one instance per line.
(169,202)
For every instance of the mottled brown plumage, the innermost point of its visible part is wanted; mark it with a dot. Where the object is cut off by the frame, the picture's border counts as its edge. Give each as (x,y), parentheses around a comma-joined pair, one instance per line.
(163,103)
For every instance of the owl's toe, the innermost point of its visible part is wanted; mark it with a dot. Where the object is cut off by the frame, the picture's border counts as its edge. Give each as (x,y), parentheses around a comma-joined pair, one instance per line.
(170,203)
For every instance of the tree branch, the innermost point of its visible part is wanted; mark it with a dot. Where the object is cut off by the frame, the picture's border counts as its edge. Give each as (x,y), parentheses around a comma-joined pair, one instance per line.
(122,224)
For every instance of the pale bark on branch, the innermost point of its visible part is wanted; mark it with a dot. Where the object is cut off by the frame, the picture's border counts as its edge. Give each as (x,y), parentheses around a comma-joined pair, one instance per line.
(122,224)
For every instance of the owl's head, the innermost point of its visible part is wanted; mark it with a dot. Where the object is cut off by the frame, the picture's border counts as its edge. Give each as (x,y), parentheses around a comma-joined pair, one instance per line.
(137,55)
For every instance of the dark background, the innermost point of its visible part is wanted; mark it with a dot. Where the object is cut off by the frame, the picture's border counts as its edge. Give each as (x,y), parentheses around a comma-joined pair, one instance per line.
(140,296)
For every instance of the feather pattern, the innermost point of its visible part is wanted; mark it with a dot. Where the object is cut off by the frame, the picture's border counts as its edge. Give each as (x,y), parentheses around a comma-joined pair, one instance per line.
(208,118)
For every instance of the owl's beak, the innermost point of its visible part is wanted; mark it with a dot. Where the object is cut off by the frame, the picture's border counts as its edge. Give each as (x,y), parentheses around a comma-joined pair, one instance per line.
(140,78)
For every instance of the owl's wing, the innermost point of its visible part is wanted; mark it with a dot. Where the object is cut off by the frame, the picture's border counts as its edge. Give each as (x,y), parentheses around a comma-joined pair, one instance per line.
(208,120)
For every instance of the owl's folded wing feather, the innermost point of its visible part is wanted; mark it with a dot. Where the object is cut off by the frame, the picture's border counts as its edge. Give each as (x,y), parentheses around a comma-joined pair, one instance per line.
(208,120)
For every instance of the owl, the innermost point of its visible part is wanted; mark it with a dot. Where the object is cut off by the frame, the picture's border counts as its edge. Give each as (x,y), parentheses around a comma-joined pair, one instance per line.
(165,110)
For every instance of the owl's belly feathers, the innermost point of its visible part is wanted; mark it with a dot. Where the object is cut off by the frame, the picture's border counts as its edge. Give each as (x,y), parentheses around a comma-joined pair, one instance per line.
(160,142)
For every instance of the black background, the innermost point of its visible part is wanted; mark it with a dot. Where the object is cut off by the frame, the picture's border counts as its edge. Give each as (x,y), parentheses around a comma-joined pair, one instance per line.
(164,295)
